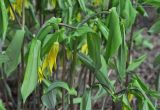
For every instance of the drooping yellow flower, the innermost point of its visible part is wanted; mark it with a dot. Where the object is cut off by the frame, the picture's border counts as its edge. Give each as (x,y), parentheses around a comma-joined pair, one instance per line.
(17,7)
(130,97)
(40,75)
(49,61)
(84,48)
(52,56)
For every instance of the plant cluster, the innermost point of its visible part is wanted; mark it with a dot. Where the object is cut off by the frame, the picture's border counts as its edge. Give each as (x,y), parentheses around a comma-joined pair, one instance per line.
(69,54)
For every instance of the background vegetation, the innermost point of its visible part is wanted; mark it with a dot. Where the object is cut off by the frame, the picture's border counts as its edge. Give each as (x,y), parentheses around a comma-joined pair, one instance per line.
(79,54)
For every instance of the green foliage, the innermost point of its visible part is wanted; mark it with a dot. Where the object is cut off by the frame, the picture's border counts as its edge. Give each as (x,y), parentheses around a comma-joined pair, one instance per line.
(30,78)
(92,56)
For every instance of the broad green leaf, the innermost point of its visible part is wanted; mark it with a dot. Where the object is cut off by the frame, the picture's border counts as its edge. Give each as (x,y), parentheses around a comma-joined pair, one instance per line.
(100,93)
(155,29)
(145,105)
(2,105)
(127,12)
(99,74)
(122,57)
(3,19)
(114,39)
(13,52)
(87,61)
(77,100)
(47,27)
(82,5)
(141,10)
(49,100)
(30,78)
(61,84)
(82,31)
(3,58)
(93,42)
(136,63)
(49,39)
(114,3)
(104,67)
(104,30)
(155,3)
(126,105)
(143,93)
(86,100)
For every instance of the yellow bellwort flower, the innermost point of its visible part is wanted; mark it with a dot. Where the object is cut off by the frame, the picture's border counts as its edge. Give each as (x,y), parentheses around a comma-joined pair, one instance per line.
(17,7)
(52,56)
(40,75)
(84,48)
(130,97)
(50,61)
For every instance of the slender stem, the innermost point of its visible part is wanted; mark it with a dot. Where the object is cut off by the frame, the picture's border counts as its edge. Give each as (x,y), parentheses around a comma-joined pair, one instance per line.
(21,68)
(130,46)
(68,26)
(63,73)
(92,16)
(90,78)
(72,72)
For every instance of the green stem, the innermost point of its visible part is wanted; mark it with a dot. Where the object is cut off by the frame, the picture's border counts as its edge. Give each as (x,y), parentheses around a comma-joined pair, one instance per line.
(92,16)
(72,72)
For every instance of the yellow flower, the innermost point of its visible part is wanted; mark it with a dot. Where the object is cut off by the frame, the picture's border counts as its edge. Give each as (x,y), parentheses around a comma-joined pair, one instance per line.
(130,97)
(17,7)
(52,56)
(40,75)
(84,48)
(49,61)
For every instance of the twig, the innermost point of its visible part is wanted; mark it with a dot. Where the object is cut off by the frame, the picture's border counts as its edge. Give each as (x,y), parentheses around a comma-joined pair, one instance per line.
(130,46)
(92,16)
(68,26)
(63,73)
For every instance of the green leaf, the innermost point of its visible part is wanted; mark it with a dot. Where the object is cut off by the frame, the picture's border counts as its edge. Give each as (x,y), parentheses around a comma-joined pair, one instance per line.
(82,31)
(30,78)
(136,63)
(141,10)
(145,105)
(125,102)
(100,93)
(3,58)
(13,52)
(155,29)
(86,100)
(99,74)
(114,39)
(127,12)
(50,39)
(49,99)
(2,105)
(104,30)
(155,3)
(60,84)
(82,5)
(114,3)
(122,57)
(87,61)
(3,19)
(93,42)
(47,27)
(135,83)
